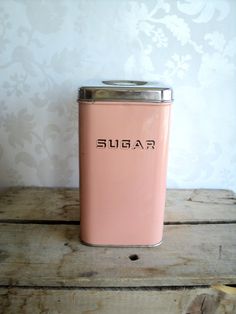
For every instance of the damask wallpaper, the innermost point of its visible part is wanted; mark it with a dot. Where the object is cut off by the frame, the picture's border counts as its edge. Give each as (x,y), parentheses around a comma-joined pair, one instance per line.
(48,48)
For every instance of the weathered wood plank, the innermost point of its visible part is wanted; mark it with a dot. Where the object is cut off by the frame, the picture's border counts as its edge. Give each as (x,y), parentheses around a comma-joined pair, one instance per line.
(51,255)
(47,204)
(39,204)
(191,301)
(200,205)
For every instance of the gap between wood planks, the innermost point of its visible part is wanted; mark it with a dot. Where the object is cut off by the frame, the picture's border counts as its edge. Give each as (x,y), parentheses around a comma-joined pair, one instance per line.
(141,288)
(112,288)
(77,222)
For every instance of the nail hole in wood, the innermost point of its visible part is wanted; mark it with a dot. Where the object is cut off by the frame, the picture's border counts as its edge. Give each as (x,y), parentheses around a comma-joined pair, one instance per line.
(134,257)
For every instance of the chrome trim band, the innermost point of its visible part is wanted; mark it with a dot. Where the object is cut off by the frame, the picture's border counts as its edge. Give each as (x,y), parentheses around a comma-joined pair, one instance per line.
(126,91)
(120,246)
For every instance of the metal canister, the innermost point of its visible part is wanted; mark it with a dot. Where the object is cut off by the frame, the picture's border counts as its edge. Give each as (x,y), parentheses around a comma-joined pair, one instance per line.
(123,146)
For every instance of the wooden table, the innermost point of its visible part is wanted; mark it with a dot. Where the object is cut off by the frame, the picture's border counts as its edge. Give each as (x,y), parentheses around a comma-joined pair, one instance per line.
(45,269)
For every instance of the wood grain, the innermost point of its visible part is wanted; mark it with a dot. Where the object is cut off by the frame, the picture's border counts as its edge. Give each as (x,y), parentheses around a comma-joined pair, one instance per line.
(48,270)
(39,204)
(51,255)
(182,206)
(191,301)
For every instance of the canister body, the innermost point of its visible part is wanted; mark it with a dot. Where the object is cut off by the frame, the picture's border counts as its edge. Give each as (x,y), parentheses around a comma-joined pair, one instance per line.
(123,159)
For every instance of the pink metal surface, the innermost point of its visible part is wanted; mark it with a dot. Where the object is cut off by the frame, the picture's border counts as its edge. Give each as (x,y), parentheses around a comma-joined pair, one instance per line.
(123,161)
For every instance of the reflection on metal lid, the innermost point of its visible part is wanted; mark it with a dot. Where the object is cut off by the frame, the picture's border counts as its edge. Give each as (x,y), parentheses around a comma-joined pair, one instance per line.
(118,90)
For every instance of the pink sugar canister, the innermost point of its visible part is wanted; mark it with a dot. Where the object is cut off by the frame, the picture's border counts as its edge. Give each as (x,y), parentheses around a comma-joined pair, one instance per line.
(123,146)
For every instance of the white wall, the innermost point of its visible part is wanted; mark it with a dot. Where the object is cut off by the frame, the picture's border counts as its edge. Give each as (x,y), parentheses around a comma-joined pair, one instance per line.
(48,48)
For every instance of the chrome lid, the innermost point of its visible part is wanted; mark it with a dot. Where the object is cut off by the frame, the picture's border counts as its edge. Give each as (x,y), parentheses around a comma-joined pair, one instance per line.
(118,90)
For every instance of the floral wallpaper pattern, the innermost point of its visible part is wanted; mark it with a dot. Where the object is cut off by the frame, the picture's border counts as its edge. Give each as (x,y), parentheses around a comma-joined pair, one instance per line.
(48,48)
